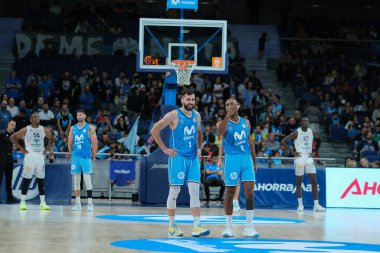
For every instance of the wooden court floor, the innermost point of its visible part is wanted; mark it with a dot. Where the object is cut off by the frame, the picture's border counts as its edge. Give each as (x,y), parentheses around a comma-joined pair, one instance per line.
(61,230)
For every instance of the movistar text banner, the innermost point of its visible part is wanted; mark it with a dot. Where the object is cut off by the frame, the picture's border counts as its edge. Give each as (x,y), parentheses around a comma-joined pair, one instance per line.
(353,187)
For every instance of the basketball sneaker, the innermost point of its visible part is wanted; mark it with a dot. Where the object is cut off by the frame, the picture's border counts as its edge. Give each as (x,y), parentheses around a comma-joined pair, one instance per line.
(227,232)
(77,207)
(318,208)
(200,231)
(44,207)
(174,231)
(23,205)
(300,208)
(249,231)
(90,208)
(236,206)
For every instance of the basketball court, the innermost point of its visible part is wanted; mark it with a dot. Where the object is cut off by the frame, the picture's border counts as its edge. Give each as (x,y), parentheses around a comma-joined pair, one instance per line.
(120,226)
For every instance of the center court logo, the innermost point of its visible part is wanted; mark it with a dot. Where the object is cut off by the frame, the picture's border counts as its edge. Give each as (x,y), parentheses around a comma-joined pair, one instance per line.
(188,219)
(16,185)
(243,245)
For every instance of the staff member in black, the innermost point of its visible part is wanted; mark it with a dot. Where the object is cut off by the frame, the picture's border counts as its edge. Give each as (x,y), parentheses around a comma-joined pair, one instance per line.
(6,160)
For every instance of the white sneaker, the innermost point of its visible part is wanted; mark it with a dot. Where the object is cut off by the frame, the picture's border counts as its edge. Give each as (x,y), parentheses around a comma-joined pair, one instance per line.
(300,208)
(90,207)
(318,208)
(77,207)
(249,231)
(227,232)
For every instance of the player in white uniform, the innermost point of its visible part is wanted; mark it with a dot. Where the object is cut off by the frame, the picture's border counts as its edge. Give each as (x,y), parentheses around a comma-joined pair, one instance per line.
(34,161)
(304,161)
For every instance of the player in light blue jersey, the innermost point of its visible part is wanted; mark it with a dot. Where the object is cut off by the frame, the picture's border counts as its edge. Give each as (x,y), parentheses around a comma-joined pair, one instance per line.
(239,162)
(183,151)
(82,145)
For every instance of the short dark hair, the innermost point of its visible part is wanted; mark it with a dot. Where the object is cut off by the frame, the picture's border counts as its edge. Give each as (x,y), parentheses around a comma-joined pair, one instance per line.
(81,111)
(186,91)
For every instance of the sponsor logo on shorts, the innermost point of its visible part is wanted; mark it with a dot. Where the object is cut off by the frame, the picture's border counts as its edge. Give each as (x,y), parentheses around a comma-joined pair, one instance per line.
(181,175)
(233,175)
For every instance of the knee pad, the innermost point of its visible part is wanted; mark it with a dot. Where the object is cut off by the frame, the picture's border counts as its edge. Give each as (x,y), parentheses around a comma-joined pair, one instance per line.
(194,194)
(174,190)
(76,182)
(87,181)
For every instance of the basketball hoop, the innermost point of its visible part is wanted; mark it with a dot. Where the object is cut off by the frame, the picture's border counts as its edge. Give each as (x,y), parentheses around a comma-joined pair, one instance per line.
(183,68)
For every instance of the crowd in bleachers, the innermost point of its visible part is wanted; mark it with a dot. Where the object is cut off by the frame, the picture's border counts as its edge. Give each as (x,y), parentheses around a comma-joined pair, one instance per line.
(335,84)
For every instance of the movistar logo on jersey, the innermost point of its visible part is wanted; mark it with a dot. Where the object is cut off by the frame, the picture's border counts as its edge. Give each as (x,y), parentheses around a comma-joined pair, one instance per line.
(189,133)
(192,245)
(239,137)
(79,138)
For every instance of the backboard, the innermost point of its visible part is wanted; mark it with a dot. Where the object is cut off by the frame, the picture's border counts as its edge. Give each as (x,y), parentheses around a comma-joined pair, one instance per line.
(164,40)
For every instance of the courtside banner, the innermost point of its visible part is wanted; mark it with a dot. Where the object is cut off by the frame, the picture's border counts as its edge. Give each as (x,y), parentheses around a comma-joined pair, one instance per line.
(353,187)
(276,188)
(122,172)
(57,184)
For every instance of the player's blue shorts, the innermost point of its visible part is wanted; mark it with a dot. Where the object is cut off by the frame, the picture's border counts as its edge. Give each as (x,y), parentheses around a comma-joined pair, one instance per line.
(181,169)
(79,164)
(238,166)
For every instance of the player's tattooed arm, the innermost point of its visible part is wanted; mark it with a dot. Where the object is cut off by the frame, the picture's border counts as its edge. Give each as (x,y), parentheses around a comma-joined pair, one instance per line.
(94,142)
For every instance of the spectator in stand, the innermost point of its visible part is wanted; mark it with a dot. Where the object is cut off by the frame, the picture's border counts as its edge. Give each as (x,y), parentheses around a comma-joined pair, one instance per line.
(46,87)
(376,164)
(121,101)
(213,177)
(218,87)
(276,106)
(376,113)
(22,120)
(104,125)
(376,135)
(66,84)
(55,9)
(262,42)
(22,106)
(56,107)
(12,108)
(13,86)
(271,144)
(87,99)
(135,104)
(31,94)
(314,114)
(257,138)
(367,145)
(207,97)
(122,125)
(259,104)
(64,121)
(267,114)
(364,163)
(207,134)
(109,95)
(5,115)
(46,116)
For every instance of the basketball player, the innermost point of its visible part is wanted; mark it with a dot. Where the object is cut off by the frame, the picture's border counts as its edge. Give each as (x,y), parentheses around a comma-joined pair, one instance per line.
(82,145)
(185,139)
(304,162)
(34,161)
(239,162)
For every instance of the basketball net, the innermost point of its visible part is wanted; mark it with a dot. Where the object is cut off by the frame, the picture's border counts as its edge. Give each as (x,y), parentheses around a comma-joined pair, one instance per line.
(183,68)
